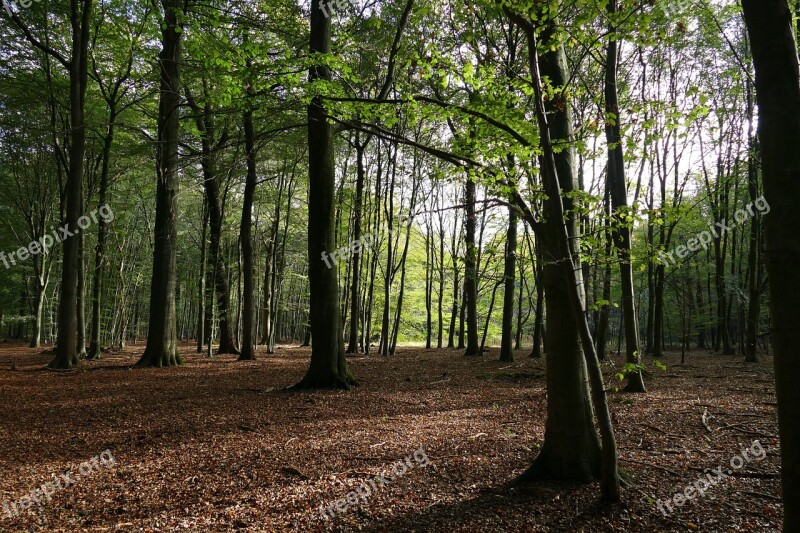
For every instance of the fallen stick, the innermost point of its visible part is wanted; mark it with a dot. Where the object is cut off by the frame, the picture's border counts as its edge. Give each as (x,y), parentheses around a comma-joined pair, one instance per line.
(704,418)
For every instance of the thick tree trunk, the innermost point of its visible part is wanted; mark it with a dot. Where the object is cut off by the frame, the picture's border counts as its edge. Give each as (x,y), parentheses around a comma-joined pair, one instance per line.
(162,339)
(67,348)
(769,24)
(328,368)
(571,449)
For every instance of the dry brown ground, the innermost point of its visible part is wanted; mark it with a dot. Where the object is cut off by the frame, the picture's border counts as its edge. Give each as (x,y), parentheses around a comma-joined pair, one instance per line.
(216,445)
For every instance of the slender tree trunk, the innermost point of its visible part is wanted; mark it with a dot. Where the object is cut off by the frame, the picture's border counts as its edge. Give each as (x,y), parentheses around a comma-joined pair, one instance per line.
(95,349)
(456,289)
(201,282)
(538,319)
(621,228)
(753,262)
(249,303)
(509,272)
(471,275)
(355,302)
(81,305)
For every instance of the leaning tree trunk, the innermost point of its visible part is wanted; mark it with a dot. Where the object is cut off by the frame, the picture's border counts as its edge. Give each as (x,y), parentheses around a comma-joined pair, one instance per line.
(328,368)
(162,338)
(769,24)
(575,453)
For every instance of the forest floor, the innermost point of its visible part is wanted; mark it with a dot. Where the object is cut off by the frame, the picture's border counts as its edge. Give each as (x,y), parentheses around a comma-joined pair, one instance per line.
(217,445)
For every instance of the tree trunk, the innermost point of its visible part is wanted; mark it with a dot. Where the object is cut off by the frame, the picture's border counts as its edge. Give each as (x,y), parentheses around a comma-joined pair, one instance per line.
(355,296)
(95,349)
(201,282)
(328,368)
(753,263)
(81,304)
(162,339)
(509,272)
(471,275)
(249,303)
(67,348)
(571,449)
(621,226)
(769,24)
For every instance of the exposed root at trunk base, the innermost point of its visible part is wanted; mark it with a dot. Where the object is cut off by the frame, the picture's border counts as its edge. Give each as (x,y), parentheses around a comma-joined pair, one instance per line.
(61,362)
(159,359)
(227,350)
(540,470)
(329,382)
(94,353)
(635,386)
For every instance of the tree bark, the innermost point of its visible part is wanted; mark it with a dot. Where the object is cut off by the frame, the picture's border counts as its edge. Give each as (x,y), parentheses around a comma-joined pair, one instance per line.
(571,449)
(248,352)
(509,273)
(162,339)
(621,224)
(67,347)
(355,296)
(769,25)
(470,273)
(328,368)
